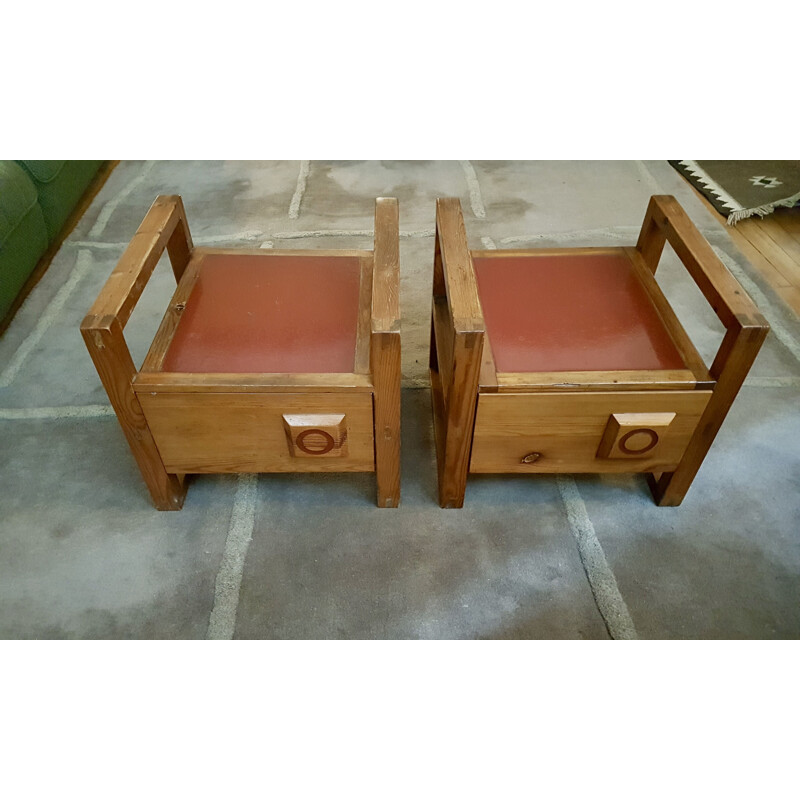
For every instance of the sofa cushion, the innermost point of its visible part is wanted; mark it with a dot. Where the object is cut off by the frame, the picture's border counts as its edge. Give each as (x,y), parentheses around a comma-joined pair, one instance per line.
(59,185)
(17,197)
(43,171)
(23,233)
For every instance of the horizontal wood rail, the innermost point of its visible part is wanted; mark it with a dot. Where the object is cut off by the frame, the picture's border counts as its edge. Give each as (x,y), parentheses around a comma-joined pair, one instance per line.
(164,226)
(746,329)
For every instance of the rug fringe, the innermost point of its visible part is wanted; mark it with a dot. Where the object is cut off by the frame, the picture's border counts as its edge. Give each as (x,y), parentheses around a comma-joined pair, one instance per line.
(764,210)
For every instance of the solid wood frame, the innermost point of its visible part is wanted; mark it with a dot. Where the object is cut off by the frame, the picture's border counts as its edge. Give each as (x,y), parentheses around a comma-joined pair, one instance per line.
(463,368)
(376,364)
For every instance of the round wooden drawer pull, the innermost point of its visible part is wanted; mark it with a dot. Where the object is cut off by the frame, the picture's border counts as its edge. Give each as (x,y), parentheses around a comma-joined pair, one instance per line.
(531,458)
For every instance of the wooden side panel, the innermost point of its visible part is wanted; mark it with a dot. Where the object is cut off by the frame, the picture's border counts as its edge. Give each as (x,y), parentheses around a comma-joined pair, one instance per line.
(453,253)
(737,353)
(566,430)
(238,432)
(111,357)
(164,226)
(385,350)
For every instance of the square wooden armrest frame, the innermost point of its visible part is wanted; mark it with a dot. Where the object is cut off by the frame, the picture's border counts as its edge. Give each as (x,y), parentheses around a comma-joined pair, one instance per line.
(463,368)
(376,359)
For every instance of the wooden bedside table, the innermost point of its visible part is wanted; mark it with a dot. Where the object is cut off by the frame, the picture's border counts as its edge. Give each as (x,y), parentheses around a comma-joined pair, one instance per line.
(265,361)
(572,360)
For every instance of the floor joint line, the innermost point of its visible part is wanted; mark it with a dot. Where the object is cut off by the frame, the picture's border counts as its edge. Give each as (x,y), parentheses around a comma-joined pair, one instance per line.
(602,582)
(475,197)
(108,209)
(222,622)
(300,190)
(83,263)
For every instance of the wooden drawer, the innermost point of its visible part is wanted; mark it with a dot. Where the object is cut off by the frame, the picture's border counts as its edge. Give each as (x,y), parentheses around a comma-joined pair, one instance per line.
(259,432)
(567,429)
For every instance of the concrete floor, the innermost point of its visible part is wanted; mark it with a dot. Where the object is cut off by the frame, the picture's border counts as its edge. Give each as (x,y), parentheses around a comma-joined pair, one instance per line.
(84,555)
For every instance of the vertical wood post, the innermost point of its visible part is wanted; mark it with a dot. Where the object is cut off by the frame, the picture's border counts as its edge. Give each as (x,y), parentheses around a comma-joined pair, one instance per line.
(385,351)
(115,367)
(164,226)
(454,405)
(746,330)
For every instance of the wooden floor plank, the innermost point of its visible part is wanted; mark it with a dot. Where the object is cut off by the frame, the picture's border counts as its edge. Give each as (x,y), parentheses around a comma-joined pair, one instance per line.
(771,245)
(791,296)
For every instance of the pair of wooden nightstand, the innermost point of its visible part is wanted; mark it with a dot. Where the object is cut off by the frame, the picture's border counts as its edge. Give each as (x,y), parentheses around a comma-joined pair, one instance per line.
(542,361)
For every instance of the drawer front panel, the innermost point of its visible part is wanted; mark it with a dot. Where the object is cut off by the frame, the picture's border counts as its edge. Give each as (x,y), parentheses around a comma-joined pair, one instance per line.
(562,432)
(241,432)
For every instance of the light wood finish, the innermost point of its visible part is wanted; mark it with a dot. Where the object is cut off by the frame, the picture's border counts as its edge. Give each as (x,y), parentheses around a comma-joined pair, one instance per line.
(164,226)
(680,338)
(773,245)
(576,421)
(567,430)
(252,382)
(245,432)
(770,245)
(458,272)
(669,221)
(385,351)
(364,331)
(457,335)
(178,423)
(154,360)
(633,435)
(746,330)
(316,435)
(639,380)
(112,359)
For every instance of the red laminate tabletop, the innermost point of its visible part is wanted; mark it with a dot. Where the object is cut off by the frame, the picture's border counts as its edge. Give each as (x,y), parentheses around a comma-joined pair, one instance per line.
(251,313)
(563,313)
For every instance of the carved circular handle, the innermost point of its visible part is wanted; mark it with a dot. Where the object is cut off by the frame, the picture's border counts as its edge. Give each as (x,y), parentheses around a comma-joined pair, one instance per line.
(314,448)
(653,441)
(531,458)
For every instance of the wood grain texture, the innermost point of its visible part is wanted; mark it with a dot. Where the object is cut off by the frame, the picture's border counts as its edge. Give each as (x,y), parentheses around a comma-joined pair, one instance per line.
(457,341)
(316,435)
(385,351)
(774,264)
(112,359)
(206,382)
(637,380)
(459,420)
(723,292)
(385,355)
(621,428)
(242,432)
(737,353)
(746,330)
(126,283)
(567,430)
(364,330)
(677,333)
(459,275)
(154,360)
(386,273)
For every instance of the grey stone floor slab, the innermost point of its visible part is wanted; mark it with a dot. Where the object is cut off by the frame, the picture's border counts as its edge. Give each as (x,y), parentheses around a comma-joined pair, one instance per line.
(82,552)
(726,563)
(326,563)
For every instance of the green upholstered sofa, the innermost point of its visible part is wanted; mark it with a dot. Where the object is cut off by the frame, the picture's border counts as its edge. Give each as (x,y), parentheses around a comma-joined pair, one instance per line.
(36,199)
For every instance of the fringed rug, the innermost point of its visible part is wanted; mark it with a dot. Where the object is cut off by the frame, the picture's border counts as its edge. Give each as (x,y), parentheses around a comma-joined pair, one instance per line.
(740,189)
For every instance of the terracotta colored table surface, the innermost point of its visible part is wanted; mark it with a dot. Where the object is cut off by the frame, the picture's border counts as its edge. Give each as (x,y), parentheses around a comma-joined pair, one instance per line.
(251,313)
(571,313)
